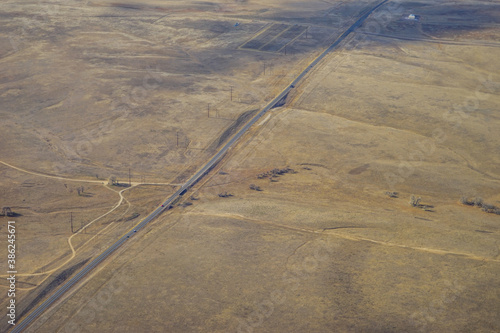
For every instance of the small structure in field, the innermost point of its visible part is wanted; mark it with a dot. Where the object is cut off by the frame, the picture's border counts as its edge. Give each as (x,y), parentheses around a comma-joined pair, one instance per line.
(412,17)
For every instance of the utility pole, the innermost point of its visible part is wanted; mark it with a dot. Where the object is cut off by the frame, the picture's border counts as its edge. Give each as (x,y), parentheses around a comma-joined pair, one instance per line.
(71,220)
(231,93)
(208,110)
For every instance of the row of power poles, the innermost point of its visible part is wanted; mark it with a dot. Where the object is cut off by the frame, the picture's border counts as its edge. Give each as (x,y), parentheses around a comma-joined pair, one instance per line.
(231,87)
(143,178)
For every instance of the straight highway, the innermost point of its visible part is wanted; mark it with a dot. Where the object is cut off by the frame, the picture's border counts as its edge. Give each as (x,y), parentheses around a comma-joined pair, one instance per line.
(183,189)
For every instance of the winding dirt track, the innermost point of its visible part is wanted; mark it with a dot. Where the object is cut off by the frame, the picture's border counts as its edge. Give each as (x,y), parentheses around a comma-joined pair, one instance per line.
(349,237)
(76,179)
(50,176)
(72,248)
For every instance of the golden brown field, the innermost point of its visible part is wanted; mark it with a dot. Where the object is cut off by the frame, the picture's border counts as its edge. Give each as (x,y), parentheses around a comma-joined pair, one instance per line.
(92,90)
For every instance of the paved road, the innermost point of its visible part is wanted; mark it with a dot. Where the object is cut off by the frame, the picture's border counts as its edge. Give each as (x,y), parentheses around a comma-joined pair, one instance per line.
(195,178)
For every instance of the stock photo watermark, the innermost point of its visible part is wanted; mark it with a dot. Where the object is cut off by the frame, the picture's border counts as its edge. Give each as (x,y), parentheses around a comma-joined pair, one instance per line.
(11,272)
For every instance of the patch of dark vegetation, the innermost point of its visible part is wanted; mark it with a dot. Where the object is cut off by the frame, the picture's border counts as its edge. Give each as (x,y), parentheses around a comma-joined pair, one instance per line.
(281,102)
(392,194)
(255,187)
(242,119)
(415,202)
(112,181)
(56,282)
(275,173)
(121,185)
(7,211)
(478,202)
(225,195)
(186,204)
